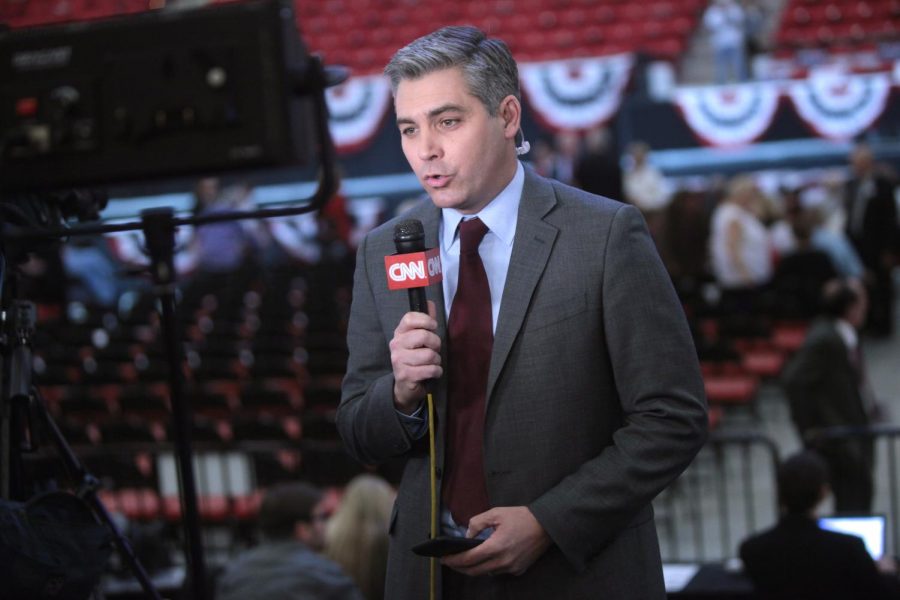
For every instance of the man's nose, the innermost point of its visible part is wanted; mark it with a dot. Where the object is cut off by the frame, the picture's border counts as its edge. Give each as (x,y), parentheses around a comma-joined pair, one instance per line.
(429,146)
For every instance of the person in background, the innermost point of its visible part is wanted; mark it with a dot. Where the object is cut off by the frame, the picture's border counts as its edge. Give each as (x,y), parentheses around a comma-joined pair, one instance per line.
(598,170)
(836,245)
(724,19)
(284,564)
(873,229)
(740,251)
(754,30)
(356,537)
(94,275)
(542,157)
(646,187)
(226,246)
(802,272)
(826,386)
(684,242)
(206,192)
(811,204)
(567,145)
(797,560)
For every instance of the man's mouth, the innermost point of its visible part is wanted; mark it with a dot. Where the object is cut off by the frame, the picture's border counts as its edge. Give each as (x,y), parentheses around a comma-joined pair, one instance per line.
(437,181)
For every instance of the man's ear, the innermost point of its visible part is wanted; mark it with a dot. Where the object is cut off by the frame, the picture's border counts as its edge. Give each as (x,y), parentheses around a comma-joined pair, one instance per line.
(302,531)
(511,113)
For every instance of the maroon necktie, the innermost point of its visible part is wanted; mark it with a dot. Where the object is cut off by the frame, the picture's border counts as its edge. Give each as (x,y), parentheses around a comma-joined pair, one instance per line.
(470,340)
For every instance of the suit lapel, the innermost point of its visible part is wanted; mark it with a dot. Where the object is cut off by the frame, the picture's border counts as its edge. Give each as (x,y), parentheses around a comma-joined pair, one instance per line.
(531,249)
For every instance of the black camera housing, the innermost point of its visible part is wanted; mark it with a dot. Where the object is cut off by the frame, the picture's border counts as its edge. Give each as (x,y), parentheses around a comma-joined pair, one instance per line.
(160,94)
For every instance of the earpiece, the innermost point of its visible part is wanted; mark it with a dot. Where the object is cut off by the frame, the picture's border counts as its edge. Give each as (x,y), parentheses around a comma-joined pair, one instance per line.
(523,148)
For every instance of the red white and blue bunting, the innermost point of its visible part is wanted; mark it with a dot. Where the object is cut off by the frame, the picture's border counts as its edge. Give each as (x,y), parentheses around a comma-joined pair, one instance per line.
(578,93)
(583,93)
(731,115)
(840,106)
(356,110)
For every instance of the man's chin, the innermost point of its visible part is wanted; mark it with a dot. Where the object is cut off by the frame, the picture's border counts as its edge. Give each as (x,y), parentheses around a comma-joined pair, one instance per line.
(445,198)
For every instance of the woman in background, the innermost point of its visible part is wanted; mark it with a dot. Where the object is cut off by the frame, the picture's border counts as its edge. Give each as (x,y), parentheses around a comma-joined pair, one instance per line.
(357,535)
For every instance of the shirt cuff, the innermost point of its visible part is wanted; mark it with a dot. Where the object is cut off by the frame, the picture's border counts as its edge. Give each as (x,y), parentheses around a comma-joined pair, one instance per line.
(416,424)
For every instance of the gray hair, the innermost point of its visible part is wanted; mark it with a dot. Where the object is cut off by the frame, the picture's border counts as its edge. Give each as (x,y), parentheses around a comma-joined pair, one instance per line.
(487,64)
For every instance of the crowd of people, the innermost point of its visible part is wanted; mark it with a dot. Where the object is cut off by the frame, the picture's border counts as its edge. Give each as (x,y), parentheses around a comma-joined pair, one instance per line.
(764,250)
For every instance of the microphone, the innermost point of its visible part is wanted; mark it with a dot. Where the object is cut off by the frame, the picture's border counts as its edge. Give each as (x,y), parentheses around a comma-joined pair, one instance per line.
(413,268)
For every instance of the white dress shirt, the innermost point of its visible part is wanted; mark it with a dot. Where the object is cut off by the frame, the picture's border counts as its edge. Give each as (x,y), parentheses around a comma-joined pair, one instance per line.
(500,216)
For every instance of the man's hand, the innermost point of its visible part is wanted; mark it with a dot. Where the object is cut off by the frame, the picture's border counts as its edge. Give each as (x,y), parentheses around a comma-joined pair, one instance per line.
(518,540)
(415,357)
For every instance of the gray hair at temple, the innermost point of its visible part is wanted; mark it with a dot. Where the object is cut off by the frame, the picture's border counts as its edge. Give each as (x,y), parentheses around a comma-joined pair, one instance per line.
(486,63)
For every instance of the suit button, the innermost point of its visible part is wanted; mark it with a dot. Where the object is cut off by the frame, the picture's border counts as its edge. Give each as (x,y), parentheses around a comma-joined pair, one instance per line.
(439,472)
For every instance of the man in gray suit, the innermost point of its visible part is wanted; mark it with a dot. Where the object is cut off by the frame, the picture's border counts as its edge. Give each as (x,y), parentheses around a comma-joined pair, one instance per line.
(592,395)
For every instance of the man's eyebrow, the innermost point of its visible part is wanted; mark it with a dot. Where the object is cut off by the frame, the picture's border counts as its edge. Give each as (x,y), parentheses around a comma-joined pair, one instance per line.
(445,108)
(432,113)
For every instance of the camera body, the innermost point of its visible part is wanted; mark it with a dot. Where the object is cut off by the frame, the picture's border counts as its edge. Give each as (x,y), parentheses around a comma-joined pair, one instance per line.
(161,94)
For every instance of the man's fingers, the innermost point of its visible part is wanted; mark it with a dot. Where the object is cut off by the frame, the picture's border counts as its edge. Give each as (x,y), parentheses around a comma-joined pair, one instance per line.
(482,521)
(415,320)
(417,338)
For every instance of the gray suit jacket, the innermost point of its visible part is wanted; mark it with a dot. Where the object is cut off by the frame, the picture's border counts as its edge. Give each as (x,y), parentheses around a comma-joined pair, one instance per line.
(595,401)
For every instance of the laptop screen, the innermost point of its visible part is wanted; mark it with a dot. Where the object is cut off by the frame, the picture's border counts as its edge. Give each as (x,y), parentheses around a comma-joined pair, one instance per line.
(871,528)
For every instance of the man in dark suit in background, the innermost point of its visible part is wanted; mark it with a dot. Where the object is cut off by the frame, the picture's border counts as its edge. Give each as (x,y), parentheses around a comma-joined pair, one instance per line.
(826,387)
(797,560)
(585,400)
(873,229)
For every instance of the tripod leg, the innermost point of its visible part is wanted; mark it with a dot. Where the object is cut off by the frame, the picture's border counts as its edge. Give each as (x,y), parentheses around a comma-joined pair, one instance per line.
(88,485)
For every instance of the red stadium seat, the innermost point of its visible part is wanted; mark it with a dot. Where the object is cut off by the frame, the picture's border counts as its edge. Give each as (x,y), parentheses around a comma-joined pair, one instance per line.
(789,336)
(245,508)
(603,14)
(139,504)
(731,389)
(763,362)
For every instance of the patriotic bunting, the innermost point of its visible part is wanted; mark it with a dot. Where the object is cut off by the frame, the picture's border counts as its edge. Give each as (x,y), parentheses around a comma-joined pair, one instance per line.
(582,93)
(356,110)
(840,106)
(576,94)
(731,115)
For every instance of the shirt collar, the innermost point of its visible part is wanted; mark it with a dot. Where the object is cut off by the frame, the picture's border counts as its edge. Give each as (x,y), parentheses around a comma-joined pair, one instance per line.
(500,215)
(847,333)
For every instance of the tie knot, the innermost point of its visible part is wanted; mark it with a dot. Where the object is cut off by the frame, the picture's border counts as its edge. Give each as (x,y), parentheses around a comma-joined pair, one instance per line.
(471,233)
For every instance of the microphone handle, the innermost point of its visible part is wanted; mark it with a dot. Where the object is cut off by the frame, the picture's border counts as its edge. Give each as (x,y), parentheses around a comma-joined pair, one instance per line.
(417,300)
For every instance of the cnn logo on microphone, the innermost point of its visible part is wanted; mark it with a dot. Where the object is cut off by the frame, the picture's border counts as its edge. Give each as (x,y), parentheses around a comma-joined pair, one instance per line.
(416,269)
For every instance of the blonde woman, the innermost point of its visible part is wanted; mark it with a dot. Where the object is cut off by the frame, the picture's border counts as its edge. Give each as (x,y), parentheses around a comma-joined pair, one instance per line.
(357,535)
(740,248)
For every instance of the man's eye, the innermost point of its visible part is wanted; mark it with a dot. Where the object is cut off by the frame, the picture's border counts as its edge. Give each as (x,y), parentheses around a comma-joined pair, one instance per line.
(449,122)
(407,131)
